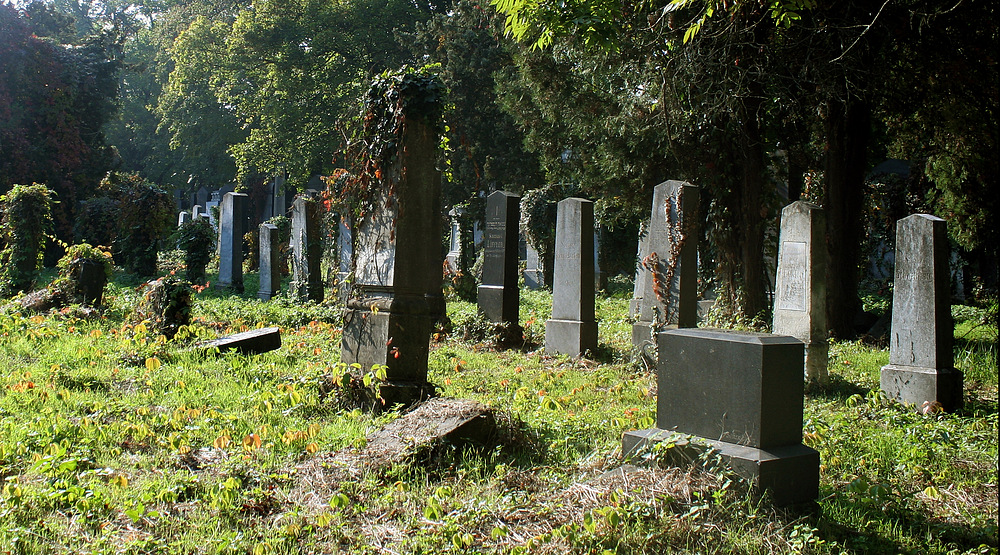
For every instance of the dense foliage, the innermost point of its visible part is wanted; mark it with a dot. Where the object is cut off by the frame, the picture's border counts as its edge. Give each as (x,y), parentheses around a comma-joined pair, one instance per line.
(197,239)
(25,225)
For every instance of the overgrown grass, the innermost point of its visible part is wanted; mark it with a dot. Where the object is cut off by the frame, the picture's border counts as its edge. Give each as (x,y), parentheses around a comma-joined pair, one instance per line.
(113,441)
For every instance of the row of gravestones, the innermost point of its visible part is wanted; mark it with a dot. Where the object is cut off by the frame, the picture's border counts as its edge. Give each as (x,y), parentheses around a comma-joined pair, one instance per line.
(739,392)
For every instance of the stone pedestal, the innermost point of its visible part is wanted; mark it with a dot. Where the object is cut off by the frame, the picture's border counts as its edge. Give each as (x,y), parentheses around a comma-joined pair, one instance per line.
(920,370)
(270,262)
(232,228)
(573,326)
(499,296)
(667,279)
(800,289)
(740,393)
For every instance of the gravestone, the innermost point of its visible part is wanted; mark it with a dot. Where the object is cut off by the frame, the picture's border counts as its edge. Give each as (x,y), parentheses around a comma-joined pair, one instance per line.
(307,247)
(800,290)
(345,258)
(269,268)
(251,342)
(197,212)
(232,228)
(202,196)
(534,277)
(183,217)
(454,256)
(499,296)
(920,370)
(573,327)
(668,273)
(91,279)
(389,316)
(741,394)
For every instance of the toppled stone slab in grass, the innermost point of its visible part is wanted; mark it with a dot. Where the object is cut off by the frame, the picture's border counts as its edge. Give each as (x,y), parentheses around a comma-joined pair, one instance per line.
(435,421)
(253,342)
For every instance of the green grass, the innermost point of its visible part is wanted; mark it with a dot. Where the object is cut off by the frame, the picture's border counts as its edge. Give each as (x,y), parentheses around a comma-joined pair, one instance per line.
(113,441)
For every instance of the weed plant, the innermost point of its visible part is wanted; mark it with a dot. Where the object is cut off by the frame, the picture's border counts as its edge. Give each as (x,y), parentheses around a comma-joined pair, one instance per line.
(114,440)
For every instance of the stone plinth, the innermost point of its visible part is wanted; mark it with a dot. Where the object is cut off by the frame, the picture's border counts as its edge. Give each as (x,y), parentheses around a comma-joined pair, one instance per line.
(920,370)
(742,394)
(573,326)
(270,262)
(499,296)
(800,289)
(667,279)
(232,228)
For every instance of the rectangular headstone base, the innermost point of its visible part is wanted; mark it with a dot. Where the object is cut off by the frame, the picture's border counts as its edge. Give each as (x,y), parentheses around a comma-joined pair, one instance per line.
(498,304)
(921,387)
(817,362)
(265,294)
(404,394)
(790,474)
(398,341)
(570,337)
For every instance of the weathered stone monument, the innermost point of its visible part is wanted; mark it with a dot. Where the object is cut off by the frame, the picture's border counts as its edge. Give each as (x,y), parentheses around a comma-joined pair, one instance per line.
(499,296)
(667,279)
(800,288)
(389,316)
(534,277)
(232,228)
(307,247)
(269,268)
(920,370)
(741,394)
(183,217)
(573,326)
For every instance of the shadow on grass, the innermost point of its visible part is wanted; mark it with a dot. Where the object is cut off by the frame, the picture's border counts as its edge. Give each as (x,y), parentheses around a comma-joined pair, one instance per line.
(837,389)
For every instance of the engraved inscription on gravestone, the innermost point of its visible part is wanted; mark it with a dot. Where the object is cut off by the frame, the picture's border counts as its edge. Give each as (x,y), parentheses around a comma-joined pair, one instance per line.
(793,292)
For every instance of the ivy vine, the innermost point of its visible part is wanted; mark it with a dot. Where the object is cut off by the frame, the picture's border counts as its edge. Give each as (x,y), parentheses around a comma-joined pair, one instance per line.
(25,223)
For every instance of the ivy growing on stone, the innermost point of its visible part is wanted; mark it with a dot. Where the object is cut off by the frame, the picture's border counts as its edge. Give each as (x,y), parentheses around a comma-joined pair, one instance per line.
(25,223)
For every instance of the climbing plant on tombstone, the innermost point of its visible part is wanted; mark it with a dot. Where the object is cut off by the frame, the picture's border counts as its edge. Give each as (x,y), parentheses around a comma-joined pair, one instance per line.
(25,222)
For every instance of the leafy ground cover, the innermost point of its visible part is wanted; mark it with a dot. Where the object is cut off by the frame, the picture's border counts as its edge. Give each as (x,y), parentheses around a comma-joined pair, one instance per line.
(116,441)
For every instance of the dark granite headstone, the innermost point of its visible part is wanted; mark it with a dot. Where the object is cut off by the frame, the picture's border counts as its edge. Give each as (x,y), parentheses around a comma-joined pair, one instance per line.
(250,342)
(389,316)
(921,370)
(499,296)
(232,228)
(800,284)
(307,247)
(270,262)
(573,326)
(669,261)
(91,280)
(742,394)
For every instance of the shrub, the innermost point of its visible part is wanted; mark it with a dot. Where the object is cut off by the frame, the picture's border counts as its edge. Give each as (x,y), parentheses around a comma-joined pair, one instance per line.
(197,239)
(166,305)
(145,216)
(24,225)
(71,267)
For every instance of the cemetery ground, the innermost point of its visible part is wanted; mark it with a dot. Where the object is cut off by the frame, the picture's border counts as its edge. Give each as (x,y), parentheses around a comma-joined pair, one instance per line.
(115,441)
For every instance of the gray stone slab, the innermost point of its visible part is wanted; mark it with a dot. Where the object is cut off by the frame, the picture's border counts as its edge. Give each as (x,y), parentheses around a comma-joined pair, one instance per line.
(250,342)
(573,326)
(499,295)
(800,289)
(740,387)
(920,369)
(307,247)
(232,228)
(270,262)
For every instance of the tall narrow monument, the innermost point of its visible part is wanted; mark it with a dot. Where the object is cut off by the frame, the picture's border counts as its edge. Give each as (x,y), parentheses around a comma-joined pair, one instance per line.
(667,280)
(800,285)
(573,327)
(307,247)
(232,228)
(920,370)
(499,296)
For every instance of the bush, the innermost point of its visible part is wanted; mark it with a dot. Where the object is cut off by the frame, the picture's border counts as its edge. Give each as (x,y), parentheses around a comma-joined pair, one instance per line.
(197,239)
(166,305)
(71,270)
(25,223)
(144,215)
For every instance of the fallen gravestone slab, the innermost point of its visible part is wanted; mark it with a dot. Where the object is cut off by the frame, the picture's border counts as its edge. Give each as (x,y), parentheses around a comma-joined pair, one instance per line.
(253,342)
(435,421)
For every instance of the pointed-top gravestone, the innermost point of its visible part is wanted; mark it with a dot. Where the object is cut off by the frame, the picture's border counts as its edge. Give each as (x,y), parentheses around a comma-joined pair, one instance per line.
(800,285)
(572,330)
(499,296)
(920,370)
(232,228)
(668,272)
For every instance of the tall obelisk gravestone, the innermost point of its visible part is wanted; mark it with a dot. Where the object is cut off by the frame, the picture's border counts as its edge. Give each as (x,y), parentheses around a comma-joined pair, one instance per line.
(232,228)
(920,370)
(389,319)
(800,285)
(307,248)
(270,262)
(668,273)
(573,327)
(499,296)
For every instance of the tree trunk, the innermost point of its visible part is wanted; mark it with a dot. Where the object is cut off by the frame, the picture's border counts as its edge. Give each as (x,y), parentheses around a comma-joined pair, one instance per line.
(848,126)
(752,212)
